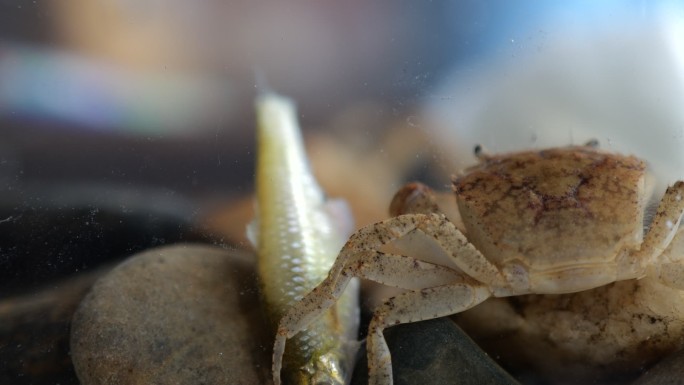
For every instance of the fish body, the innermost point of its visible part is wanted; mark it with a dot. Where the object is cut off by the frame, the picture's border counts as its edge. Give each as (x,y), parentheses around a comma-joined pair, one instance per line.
(297,234)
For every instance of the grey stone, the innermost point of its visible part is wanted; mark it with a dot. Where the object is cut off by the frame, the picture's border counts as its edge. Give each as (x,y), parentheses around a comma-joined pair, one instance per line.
(669,371)
(435,352)
(183,314)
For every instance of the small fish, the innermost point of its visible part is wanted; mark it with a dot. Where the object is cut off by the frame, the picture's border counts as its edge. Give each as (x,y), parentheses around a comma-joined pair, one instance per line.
(297,234)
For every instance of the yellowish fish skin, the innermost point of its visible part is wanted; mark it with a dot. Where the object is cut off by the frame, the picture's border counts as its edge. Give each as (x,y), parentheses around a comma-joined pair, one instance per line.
(297,236)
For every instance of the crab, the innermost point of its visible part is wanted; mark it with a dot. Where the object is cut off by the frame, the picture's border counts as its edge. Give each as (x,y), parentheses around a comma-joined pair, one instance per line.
(554,221)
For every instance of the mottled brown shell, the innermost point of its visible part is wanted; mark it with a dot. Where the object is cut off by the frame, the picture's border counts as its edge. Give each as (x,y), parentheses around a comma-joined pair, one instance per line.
(553,208)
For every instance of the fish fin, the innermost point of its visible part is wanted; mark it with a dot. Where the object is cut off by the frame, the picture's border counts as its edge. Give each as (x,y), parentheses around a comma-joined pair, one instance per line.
(352,348)
(339,211)
(252,230)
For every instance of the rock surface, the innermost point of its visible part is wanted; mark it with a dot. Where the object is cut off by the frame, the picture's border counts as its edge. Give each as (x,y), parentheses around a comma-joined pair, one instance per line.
(34,332)
(669,371)
(184,314)
(435,352)
(607,335)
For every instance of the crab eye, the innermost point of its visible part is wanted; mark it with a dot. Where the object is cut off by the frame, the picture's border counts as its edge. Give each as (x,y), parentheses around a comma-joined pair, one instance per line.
(593,143)
(477,150)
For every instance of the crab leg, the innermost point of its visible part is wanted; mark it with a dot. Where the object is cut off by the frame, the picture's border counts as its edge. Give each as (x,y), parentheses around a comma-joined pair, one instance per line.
(360,258)
(389,269)
(666,221)
(414,198)
(670,267)
(463,254)
(434,302)
(660,235)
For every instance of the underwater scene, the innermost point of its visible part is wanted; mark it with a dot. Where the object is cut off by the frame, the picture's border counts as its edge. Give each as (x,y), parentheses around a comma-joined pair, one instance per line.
(336,193)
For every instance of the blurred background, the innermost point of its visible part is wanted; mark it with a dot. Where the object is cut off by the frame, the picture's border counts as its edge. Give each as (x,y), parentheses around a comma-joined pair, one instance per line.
(128,124)
(159,95)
